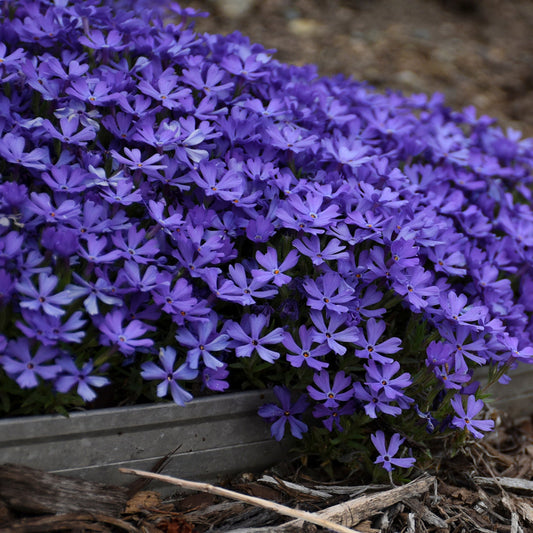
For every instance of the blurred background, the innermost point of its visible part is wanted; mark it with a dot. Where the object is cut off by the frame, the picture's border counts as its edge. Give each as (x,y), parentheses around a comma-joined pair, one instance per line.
(475,52)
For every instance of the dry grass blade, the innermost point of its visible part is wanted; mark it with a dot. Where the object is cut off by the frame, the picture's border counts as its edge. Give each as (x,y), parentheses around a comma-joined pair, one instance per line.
(252,500)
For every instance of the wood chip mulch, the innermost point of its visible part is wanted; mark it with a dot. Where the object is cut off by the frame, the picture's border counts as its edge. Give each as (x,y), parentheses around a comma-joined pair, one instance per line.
(487,487)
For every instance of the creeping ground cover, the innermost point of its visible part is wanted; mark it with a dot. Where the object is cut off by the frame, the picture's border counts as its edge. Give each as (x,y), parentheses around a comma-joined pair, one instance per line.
(182,214)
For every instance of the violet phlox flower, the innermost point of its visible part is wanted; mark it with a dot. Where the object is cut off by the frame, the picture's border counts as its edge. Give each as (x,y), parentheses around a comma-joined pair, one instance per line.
(387,453)
(215,180)
(20,364)
(133,246)
(330,333)
(12,150)
(375,402)
(128,338)
(215,378)
(380,378)
(371,349)
(49,330)
(462,348)
(41,204)
(248,338)
(452,378)
(457,310)
(311,247)
(169,376)
(95,250)
(102,290)
(135,161)
(286,412)
(404,253)
(259,229)
(165,89)
(331,394)
(81,378)
(331,415)
(42,296)
(465,418)
(203,340)
(272,269)
(439,353)
(415,284)
(249,289)
(328,291)
(306,353)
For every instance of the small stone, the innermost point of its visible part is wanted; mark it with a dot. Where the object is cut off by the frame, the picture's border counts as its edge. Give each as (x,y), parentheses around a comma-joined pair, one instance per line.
(235,8)
(304,27)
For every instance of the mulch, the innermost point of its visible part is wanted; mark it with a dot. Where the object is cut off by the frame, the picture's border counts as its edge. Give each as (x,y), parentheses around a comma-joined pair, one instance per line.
(486,487)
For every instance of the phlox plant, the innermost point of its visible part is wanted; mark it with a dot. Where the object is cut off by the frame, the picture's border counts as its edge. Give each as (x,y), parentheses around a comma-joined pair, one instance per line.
(182,214)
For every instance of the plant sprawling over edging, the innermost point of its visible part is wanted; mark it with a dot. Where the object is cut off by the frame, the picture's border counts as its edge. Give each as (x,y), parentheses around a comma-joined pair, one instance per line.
(185,208)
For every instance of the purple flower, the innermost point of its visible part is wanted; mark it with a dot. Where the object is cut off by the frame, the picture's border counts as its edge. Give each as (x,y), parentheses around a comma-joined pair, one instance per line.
(60,240)
(96,40)
(414,284)
(166,90)
(273,270)
(329,333)
(351,153)
(462,349)
(125,337)
(259,229)
(19,363)
(387,453)
(12,150)
(249,289)
(41,204)
(305,353)
(94,91)
(168,376)
(202,341)
(134,247)
(457,310)
(331,415)
(49,330)
(68,132)
(370,347)
(101,290)
(247,337)
(279,416)
(331,395)
(404,253)
(135,162)
(216,181)
(95,250)
(72,376)
(379,378)
(311,247)
(209,81)
(215,378)
(328,291)
(375,402)
(42,297)
(465,419)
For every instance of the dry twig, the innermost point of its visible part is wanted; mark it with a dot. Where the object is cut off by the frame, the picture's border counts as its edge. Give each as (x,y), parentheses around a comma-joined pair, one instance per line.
(212,489)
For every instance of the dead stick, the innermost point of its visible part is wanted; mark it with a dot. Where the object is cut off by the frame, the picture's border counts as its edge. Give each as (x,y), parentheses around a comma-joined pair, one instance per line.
(354,511)
(259,502)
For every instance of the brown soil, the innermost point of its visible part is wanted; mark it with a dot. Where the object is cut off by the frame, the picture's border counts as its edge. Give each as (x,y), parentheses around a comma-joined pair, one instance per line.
(475,52)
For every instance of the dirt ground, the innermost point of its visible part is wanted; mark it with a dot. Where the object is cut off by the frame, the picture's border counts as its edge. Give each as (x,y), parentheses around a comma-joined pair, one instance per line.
(475,52)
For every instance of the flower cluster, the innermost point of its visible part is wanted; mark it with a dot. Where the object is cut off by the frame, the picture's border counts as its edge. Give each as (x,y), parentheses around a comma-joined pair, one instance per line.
(185,205)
